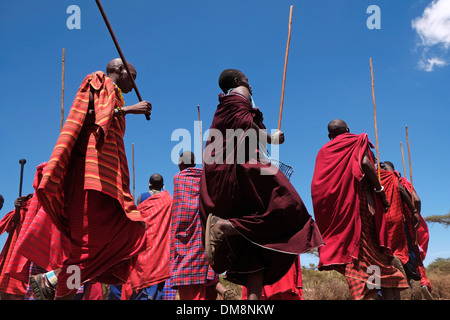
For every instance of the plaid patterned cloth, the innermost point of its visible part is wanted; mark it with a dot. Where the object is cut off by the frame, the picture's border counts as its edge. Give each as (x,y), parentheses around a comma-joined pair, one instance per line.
(395,219)
(188,264)
(371,254)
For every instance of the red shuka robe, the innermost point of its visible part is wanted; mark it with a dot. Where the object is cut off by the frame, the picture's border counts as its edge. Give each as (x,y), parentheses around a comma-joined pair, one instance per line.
(152,265)
(395,220)
(335,192)
(85,189)
(265,209)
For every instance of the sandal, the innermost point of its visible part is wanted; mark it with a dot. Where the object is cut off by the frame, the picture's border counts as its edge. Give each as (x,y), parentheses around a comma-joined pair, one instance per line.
(212,241)
(41,290)
(230,294)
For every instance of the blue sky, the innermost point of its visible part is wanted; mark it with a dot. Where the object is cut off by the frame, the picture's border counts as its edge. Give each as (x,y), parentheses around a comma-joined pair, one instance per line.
(179,49)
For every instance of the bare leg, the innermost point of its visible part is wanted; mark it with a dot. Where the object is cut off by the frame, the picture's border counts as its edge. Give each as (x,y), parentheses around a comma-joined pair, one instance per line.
(255,285)
(220,288)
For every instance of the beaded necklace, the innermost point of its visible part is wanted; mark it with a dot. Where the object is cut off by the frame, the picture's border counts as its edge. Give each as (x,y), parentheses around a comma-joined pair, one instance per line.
(120,94)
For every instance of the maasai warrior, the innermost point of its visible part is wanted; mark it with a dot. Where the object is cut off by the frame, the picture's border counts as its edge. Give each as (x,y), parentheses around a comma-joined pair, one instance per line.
(40,247)
(422,239)
(397,218)
(191,274)
(349,204)
(85,186)
(255,222)
(12,288)
(151,269)
(2,201)
(408,231)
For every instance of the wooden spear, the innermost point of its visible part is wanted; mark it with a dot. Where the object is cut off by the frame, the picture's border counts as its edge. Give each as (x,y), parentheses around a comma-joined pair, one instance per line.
(201,131)
(285,67)
(410,177)
(375,118)
(62,87)
(410,168)
(116,43)
(403,159)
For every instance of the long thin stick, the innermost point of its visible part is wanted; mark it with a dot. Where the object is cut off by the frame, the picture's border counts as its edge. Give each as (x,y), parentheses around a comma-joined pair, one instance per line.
(116,43)
(62,86)
(375,118)
(410,168)
(285,67)
(403,159)
(201,131)
(134,179)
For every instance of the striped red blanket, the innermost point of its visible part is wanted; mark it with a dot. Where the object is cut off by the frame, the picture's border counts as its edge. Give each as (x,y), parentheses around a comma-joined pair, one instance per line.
(106,168)
(85,189)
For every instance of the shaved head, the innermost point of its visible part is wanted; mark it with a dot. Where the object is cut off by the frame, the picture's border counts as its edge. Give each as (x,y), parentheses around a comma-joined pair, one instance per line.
(115,64)
(186,160)
(156,181)
(337,127)
(116,70)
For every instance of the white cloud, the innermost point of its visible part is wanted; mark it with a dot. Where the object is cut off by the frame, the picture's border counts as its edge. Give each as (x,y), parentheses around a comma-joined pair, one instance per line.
(433,29)
(429,64)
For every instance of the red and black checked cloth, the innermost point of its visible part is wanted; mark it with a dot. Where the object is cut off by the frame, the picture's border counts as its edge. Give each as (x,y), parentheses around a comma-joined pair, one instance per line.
(188,260)
(371,254)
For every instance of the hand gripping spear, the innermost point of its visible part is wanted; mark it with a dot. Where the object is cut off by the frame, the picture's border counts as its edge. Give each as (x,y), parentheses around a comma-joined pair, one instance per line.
(111,32)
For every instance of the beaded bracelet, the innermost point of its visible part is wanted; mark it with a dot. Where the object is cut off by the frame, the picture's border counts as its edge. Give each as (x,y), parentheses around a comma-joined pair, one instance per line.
(120,111)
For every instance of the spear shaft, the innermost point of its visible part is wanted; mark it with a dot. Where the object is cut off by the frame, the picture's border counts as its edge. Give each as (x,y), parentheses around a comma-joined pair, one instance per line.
(285,66)
(119,50)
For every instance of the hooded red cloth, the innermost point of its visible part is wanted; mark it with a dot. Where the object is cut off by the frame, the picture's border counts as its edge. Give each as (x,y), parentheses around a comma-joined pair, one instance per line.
(395,219)
(336,191)
(264,208)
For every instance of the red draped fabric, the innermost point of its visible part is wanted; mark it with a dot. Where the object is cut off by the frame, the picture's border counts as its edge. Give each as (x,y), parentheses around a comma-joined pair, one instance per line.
(395,219)
(263,207)
(336,193)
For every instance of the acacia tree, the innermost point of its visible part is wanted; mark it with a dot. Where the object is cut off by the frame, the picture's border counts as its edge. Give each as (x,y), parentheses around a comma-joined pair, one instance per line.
(442,219)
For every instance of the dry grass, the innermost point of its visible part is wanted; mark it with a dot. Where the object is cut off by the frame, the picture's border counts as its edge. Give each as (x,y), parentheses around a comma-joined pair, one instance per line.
(440,284)
(331,285)
(324,285)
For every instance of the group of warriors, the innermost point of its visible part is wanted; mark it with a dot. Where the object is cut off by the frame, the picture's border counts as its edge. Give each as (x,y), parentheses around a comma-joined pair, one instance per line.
(81,230)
